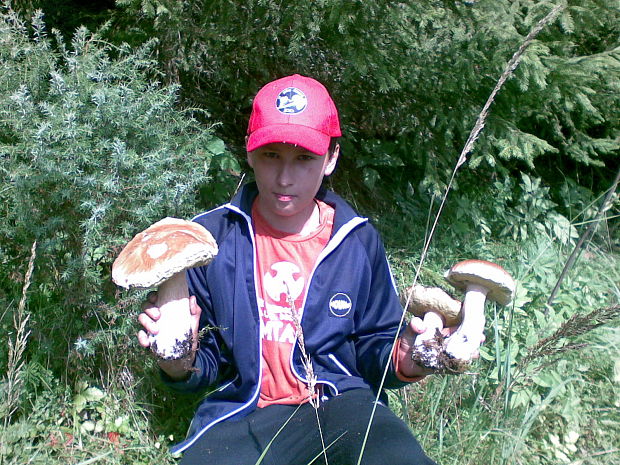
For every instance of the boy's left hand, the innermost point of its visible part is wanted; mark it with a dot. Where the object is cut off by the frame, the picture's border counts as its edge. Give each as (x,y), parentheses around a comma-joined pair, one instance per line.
(406,366)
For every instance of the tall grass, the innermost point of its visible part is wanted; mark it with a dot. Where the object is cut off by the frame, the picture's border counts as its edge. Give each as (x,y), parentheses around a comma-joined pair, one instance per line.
(546,389)
(509,69)
(13,383)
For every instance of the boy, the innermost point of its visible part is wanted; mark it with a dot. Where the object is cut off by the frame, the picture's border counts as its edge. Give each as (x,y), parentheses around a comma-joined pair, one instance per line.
(304,304)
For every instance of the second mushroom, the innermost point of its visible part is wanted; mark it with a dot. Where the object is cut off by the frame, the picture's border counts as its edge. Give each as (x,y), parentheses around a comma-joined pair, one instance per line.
(481,280)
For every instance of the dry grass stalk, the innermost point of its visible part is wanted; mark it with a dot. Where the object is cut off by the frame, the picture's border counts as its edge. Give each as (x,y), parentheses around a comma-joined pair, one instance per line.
(307,364)
(607,202)
(17,346)
(550,348)
(508,70)
(305,358)
(577,325)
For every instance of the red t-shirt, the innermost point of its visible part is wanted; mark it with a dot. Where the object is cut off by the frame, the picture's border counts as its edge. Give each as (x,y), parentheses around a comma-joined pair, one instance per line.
(285,262)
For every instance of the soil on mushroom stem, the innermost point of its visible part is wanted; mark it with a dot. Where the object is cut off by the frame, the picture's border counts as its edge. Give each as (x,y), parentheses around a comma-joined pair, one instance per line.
(433,352)
(451,365)
(429,352)
(181,348)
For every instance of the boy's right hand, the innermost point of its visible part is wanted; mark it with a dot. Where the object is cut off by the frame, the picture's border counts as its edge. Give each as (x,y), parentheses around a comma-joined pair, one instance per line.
(148,319)
(176,369)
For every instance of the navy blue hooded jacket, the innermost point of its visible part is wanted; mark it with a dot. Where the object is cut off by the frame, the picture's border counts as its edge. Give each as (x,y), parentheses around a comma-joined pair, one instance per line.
(349,318)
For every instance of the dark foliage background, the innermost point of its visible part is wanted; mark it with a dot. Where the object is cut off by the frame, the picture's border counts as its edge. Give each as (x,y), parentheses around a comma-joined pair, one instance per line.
(410,79)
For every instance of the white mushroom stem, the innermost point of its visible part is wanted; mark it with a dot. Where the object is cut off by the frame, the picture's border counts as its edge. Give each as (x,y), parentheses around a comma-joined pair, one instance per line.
(174,337)
(466,340)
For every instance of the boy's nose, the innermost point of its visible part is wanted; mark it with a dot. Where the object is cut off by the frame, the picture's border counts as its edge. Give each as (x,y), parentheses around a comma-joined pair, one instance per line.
(285,174)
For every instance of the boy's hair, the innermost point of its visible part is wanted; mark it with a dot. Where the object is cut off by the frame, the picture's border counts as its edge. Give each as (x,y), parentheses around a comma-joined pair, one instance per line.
(293,110)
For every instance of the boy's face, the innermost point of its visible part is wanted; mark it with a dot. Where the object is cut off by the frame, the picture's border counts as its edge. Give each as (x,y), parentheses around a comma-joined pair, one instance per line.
(288,178)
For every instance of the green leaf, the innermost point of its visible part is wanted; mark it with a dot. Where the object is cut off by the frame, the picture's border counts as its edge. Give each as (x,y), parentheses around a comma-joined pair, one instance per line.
(370,177)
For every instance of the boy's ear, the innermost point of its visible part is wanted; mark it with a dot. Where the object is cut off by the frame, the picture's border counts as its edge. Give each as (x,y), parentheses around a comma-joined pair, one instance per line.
(333,160)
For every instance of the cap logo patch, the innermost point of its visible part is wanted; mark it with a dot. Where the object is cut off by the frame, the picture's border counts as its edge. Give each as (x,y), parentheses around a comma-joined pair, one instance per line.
(291,101)
(340,305)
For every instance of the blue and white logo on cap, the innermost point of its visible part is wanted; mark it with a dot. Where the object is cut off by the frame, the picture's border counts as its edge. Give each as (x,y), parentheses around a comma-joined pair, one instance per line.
(291,101)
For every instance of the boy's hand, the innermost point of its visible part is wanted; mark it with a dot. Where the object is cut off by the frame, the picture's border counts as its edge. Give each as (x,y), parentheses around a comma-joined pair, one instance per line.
(408,367)
(176,369)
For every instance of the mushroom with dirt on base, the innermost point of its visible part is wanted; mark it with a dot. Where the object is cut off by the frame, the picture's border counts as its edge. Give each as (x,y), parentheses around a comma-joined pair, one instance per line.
(481,280)
(438,310)
(159,256)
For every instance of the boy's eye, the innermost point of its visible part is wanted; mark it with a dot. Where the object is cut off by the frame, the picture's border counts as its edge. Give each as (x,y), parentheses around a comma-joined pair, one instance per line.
(270,154)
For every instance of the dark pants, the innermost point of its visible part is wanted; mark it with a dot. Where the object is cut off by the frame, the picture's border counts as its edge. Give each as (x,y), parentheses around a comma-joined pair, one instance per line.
(343,420)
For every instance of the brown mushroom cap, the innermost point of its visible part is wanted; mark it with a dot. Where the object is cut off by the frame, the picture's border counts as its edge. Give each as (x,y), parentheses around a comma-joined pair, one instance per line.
(163,249)
(500,284)
(425,299)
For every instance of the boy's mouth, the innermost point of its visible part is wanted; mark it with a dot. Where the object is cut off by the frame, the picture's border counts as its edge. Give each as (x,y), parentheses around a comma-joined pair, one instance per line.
(284,197)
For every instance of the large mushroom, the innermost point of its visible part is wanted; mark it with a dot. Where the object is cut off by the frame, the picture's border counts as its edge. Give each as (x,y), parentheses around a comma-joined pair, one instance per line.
(159,256)
(481,280)
(438,310)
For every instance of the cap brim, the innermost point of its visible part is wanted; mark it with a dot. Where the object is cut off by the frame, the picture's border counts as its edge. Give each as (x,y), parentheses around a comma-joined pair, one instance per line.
(308,138)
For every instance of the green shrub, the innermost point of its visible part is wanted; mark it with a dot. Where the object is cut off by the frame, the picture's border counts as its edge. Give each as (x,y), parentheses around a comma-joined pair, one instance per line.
(93,149)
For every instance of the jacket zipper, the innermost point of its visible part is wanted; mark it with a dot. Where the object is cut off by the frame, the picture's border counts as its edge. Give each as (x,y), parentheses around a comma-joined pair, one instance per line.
(198,434)
(337,238)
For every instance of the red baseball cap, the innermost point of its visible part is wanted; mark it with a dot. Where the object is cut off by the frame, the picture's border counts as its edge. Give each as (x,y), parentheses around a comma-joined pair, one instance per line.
(293,110)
